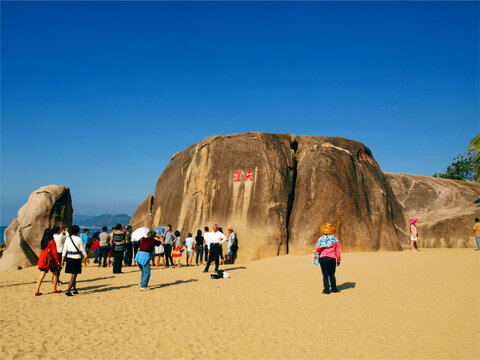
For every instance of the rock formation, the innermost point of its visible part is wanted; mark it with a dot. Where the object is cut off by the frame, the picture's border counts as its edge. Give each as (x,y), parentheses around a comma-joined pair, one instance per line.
(446,209)
(46,207)
(276,190)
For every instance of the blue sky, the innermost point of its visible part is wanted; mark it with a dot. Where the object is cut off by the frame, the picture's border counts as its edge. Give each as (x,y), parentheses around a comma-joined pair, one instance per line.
(98,95)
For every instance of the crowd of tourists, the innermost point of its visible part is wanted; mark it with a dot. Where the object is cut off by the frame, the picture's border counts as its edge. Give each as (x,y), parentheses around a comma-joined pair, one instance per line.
(68,249)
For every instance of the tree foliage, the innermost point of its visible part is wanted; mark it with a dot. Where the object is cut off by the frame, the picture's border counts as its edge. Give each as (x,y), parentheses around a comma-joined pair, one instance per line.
(475,146)
(464,167)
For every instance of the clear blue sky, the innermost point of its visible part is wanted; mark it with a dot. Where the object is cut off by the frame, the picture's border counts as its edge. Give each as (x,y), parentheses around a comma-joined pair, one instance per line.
(99,95)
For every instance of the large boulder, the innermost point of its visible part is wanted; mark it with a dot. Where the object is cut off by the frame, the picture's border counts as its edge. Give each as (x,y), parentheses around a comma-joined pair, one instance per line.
(339,181)
(276,190)
(446,209)
(46,207)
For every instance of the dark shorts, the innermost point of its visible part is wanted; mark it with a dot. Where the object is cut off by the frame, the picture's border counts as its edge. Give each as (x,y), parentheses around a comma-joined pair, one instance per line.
(74,266)
(44,270)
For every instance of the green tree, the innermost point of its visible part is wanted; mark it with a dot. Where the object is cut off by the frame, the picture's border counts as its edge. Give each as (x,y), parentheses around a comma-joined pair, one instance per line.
(464,167)
(475,146)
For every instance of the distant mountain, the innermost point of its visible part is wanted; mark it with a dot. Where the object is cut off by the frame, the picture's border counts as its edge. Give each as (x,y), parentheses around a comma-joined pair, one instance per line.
(101,220)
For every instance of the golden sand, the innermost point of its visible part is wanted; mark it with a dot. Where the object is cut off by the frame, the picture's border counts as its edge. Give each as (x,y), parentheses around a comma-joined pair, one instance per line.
(392,305)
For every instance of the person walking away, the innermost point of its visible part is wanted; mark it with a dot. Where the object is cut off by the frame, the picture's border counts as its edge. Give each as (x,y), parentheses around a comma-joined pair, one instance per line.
(72,255)
(104,238)
(413,234)
(147,245)
(205,247)
(231,245)
(119,248)
(128,247)
(213,240)
(96,248)
(177,249)
(199,247)
(59,236)
(190,252)
(328,248)
(48,260)
(168,240)
(476,232)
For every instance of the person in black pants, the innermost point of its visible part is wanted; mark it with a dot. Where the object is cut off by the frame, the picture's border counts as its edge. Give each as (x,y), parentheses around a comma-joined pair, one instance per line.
(199,247)
(168,240)
(119,248)
(128,247)
(328,248)
(205,247)
(214,239)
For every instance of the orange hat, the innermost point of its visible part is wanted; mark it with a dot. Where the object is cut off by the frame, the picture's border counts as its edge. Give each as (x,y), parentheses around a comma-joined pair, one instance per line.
(328,229)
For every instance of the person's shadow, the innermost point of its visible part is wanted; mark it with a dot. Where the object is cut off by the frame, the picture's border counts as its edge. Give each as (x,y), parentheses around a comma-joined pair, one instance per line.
(346,285)
(178,282)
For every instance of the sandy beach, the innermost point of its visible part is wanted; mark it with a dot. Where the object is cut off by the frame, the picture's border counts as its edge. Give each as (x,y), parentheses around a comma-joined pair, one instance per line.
(392,305)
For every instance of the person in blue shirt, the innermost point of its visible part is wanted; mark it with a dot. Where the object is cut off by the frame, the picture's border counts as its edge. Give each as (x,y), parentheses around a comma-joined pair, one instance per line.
(232,246)
(84,238)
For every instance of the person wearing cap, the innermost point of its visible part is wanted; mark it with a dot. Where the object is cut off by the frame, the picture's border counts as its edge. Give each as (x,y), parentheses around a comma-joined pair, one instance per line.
(232,246)
(147,244)
(413,234)
(213,240)
(476,232)
(328,248)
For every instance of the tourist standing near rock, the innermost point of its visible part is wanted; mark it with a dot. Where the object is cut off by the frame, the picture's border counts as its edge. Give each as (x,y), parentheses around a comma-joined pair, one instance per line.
(199,247)
(232,246)
(189,244)
(177,247)
(205,247)
(476,232)
(85,239)
(213,240)
(413,234)
(104,237)
(48,260)
(328,248)
(147,244)
(72,255)
(168,240)
(59,236)
(128,247)
(119,241)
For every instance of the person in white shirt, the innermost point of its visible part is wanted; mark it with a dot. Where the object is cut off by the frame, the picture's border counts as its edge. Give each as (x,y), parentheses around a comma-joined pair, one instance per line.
(72,254)
(213,240)
(59,236)
(189,243)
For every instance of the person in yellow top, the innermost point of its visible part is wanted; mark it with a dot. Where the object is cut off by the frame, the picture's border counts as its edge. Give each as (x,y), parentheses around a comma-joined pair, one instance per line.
(476,232)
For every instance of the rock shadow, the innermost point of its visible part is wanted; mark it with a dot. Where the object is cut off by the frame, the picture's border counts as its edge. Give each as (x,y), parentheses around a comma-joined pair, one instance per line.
(346,285)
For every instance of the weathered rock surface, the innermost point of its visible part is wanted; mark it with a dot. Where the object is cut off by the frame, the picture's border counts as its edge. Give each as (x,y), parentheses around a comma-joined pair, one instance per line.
(446,209)
(143,214)
(339,181)
(277,189)
(46,207)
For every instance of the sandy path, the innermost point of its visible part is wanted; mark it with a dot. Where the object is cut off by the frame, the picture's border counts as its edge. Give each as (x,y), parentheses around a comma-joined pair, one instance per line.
(392,305)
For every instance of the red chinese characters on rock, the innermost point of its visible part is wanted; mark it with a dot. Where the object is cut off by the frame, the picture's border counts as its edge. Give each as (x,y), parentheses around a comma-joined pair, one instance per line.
(238,176)
(365,157)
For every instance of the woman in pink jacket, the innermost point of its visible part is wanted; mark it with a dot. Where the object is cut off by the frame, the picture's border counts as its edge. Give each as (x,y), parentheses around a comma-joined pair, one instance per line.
(329,249)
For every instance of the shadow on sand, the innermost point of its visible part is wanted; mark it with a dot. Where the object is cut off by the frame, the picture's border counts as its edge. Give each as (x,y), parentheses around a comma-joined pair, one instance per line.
(178,282)
(234,268)
(346,285)
(102,288)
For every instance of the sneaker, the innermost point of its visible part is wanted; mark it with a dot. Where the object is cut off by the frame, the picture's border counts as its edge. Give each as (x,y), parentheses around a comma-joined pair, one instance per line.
(68,293)
(143,289)
(75,292)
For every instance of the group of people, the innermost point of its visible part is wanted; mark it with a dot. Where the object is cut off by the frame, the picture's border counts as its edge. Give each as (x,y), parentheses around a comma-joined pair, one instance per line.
(66,248)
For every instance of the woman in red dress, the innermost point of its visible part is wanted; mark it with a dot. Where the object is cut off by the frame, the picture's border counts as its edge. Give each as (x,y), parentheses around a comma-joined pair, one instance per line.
(48,260)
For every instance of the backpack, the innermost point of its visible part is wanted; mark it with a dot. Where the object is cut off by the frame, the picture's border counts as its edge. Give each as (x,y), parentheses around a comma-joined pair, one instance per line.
(50,261)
